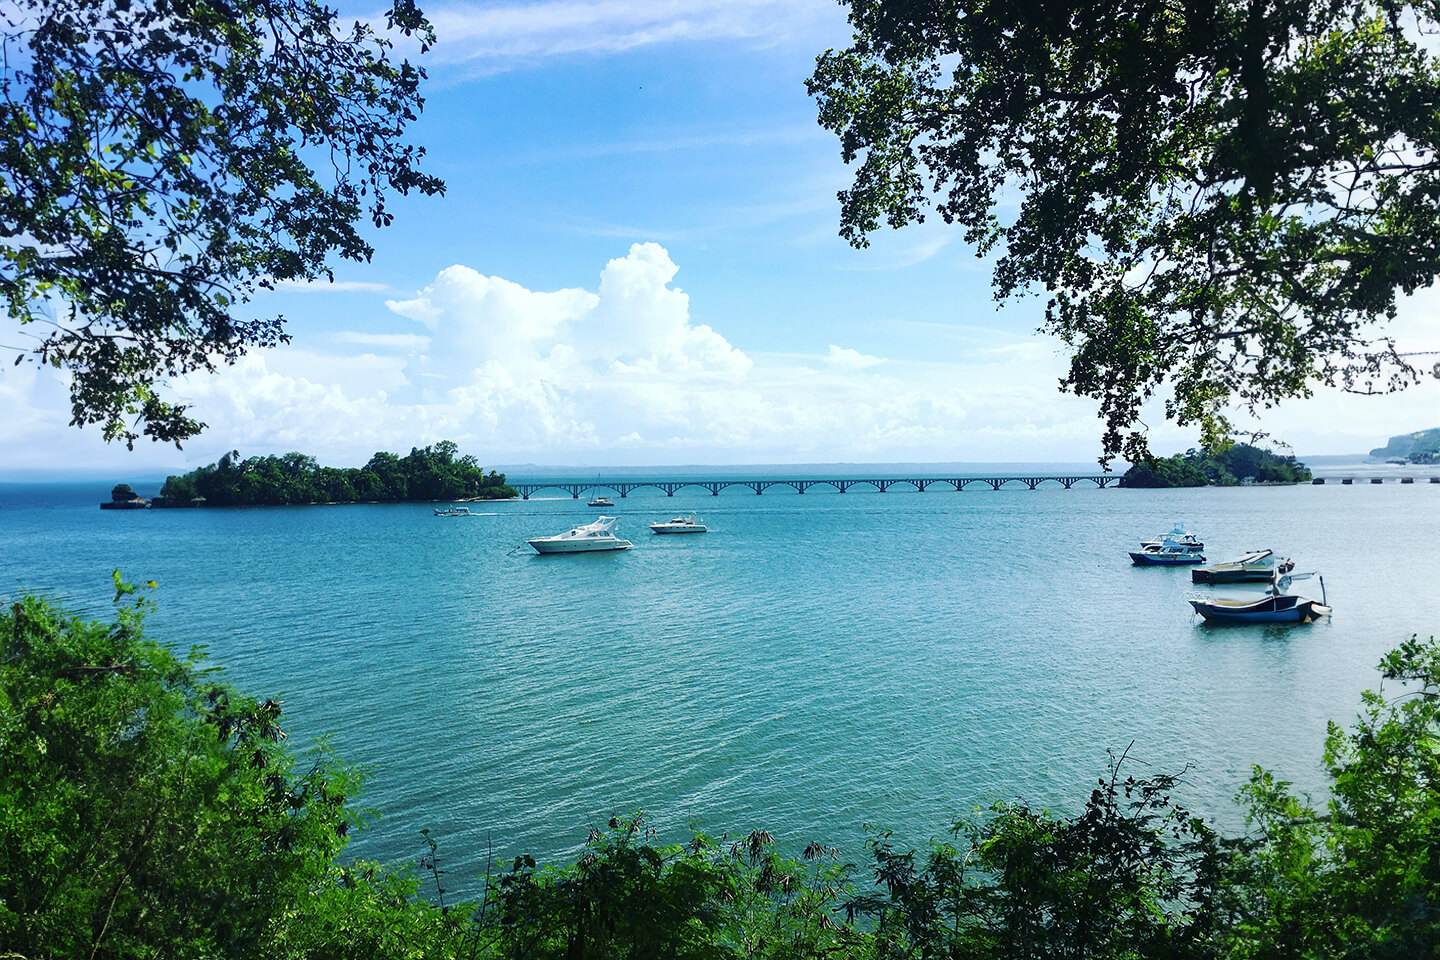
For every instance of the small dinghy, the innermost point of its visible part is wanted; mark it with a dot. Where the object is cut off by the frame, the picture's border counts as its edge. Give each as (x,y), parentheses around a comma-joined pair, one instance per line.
(1276,606)
(1257,566)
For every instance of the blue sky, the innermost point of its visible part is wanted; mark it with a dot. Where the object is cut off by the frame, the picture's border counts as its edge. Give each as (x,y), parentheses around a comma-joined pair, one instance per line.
(636,262)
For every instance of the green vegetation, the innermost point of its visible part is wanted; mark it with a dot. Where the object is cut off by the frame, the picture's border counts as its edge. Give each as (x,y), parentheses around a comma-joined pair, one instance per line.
(160,161)
(149,810)
(428,473)
(1226,466)
(1422,446)
(1223,201)
(123,492)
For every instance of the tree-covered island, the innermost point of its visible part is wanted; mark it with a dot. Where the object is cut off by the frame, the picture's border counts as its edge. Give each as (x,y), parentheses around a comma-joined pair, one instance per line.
(436,472)
(1226,466)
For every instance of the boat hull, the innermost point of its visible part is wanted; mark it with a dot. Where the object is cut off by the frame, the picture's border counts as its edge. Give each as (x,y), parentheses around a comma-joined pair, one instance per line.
(1231,576)
(1265,610)
(1166,560)
(662,528)
(579,545)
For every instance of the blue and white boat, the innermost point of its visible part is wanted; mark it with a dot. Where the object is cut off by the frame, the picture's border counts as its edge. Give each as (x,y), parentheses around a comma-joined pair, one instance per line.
(1275,606)
(1178,536)
(1166,553)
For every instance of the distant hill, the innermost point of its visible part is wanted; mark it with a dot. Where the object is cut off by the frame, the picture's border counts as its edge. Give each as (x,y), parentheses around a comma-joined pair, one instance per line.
(1422,446)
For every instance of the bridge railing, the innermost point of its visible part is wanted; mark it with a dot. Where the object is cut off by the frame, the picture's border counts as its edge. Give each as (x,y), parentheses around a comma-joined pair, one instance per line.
(623,488)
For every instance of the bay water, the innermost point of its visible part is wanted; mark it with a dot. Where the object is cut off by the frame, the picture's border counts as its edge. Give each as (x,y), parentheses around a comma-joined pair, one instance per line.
(813,665)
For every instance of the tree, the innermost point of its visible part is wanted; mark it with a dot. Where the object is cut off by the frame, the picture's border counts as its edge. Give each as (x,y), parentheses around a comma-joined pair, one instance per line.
(1360,878)
(1220,199)
(161,161)
(147,809)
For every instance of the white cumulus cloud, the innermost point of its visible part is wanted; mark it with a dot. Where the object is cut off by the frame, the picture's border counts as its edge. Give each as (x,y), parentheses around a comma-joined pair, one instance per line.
(844,358)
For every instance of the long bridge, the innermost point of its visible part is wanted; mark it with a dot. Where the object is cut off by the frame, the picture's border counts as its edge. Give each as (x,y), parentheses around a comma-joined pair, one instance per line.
(881,484)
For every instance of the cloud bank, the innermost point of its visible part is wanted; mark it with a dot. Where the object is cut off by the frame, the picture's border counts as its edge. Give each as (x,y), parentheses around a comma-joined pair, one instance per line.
(618,373)
(622,373)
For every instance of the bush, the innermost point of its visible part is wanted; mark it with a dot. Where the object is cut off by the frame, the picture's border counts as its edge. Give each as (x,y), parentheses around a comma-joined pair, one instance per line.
(149,810)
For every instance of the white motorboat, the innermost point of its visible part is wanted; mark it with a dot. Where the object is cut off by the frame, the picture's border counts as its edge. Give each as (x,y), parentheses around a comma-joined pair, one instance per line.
(685,524)
(586,538)
(1167,553)
(1177,538)
(453,512)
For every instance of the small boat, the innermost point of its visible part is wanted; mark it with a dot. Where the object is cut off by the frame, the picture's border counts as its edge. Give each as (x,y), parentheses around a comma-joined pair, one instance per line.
(1166,554)
(586,538)
(1257,566)
(453,512)
(598,501)
(1276,606)
(686,524)
(1178,536)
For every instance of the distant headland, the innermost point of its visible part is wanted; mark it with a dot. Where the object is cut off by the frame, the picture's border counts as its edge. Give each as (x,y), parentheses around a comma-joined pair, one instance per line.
(1422,446)
(1233,465)
(436,472)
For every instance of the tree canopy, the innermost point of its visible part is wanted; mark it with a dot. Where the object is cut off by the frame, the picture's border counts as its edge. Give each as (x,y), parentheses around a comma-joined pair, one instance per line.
(160,161)
(1217,201)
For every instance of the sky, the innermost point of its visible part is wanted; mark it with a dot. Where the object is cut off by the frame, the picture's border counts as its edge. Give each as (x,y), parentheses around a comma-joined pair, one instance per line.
(636,261)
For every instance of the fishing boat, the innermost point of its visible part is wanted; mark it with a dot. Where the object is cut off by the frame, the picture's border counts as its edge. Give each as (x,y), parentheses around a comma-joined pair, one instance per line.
(685,524)
(1178,536)
(1167,553)
(599,501)
(1257,566)
(586,538)
(453,512)
(1276,606)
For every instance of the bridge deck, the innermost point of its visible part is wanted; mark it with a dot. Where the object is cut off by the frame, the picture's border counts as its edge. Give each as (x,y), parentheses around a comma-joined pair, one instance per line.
(881,484)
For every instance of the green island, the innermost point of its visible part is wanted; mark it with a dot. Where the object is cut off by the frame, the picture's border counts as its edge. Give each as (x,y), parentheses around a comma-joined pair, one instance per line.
(436,472)
(148,809)
(1422,446)
(1226,466)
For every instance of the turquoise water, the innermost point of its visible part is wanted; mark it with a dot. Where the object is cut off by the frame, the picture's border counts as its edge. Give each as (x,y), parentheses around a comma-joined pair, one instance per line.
(814,664)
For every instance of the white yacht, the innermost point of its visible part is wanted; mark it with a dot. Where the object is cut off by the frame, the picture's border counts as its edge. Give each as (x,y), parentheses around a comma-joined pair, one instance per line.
(686,524)
(586,538)
(1178,538)
(599,501)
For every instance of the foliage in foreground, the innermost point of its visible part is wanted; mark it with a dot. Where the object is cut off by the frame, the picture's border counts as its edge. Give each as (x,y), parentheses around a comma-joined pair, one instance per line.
(147,809)
(435,472)
(1222,467)
(1220,202)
